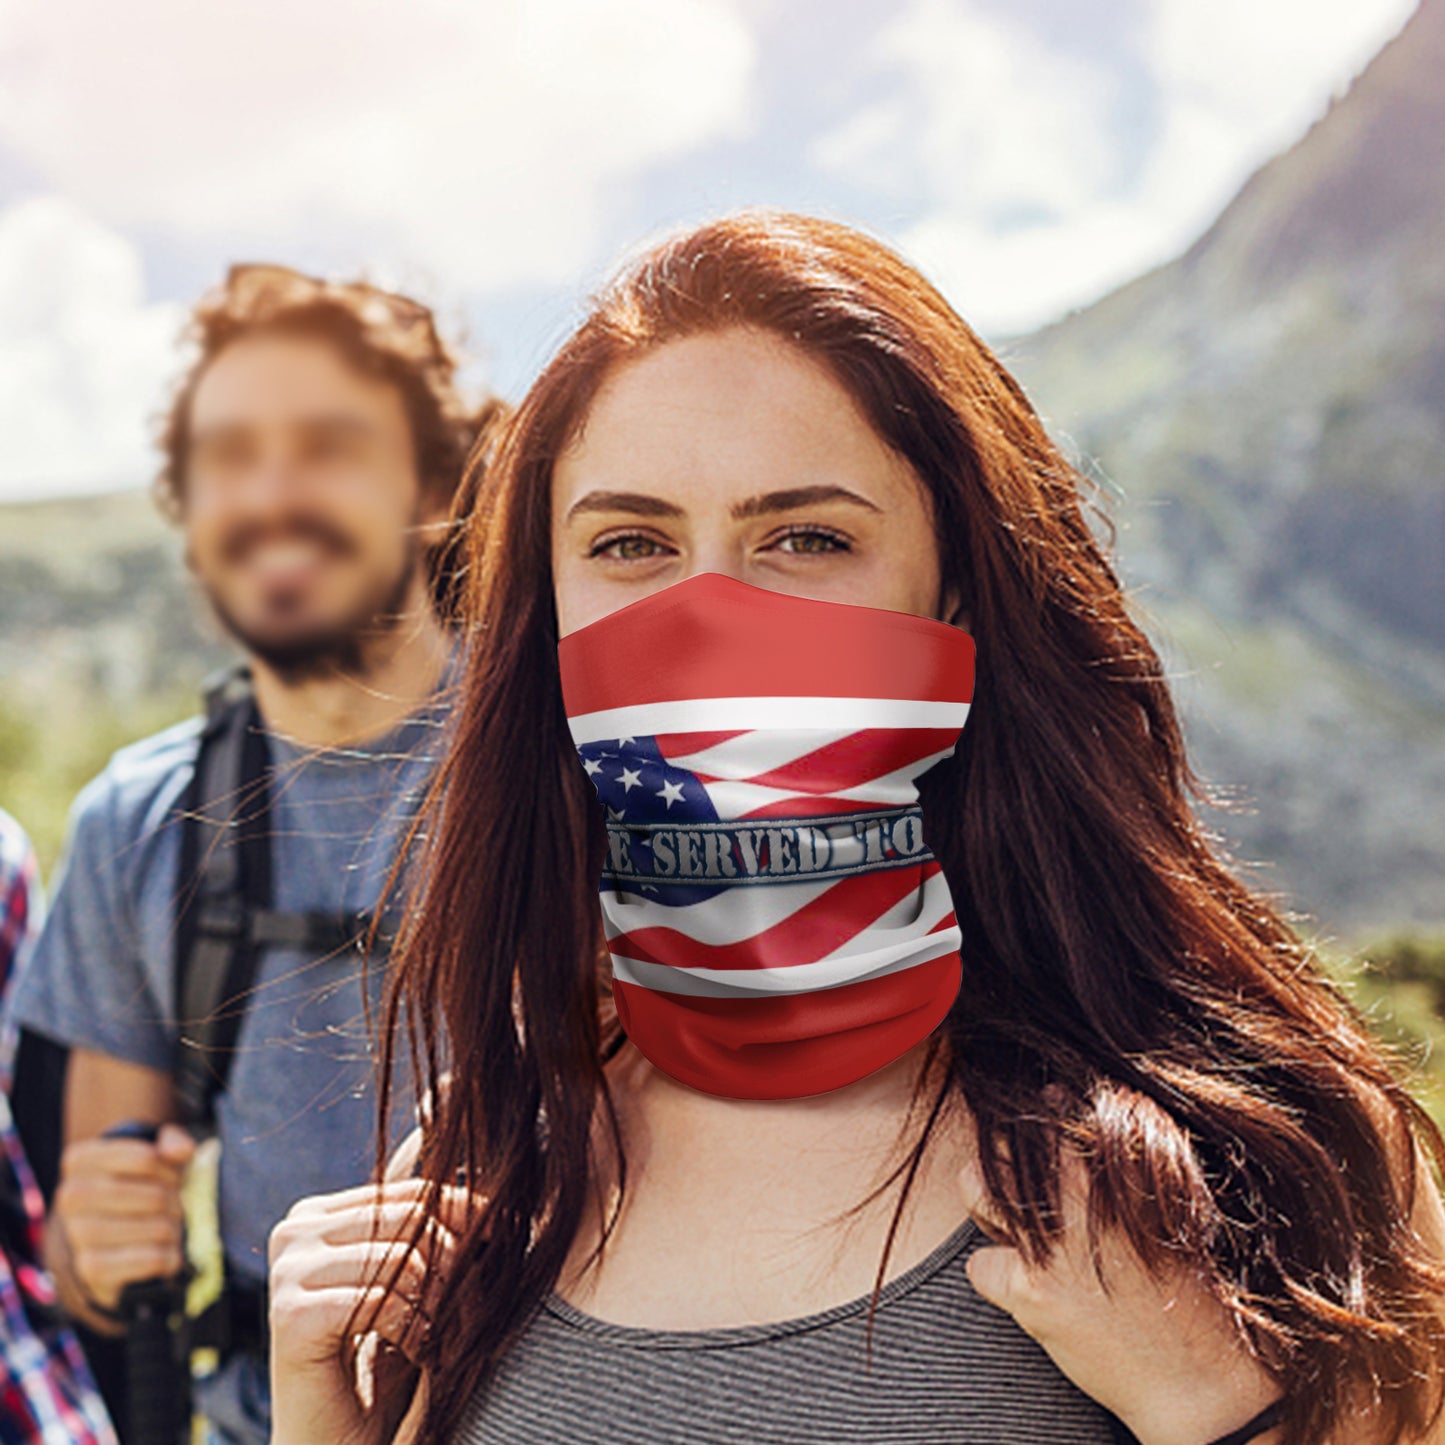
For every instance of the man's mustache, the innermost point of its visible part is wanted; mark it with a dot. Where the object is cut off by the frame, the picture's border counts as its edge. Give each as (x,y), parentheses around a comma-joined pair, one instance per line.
(240,541)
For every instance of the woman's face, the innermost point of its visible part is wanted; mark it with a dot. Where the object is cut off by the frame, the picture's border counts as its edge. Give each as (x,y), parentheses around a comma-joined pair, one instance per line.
(735,452)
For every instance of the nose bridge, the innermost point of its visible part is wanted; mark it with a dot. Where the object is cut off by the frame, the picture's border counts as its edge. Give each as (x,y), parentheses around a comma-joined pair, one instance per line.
(272,481)
(726,566)
(717,546)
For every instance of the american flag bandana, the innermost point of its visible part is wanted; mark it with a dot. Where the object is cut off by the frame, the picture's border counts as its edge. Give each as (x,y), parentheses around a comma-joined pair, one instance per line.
(776,922)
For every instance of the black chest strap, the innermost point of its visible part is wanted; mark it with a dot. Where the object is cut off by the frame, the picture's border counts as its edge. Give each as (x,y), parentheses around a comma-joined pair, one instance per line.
(223,916)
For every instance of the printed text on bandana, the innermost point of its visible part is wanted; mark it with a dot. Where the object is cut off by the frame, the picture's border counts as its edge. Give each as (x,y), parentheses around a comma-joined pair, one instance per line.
(774,850)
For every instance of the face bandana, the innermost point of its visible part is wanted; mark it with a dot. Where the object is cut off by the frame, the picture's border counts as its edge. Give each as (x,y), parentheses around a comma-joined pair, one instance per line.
(777,924)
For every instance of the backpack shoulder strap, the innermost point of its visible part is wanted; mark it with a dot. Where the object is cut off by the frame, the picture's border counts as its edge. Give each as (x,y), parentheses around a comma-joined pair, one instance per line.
(224,873)
(223,918)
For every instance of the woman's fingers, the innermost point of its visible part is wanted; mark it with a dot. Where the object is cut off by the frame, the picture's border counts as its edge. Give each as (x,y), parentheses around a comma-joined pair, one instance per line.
(322,1316)
(1040,1296)
(365,1214)
(354,1278)
(999,1271)
(403,1323)
(995,1269)
(395,1222)
(996,1273)
(351,1240)
(452,1200)
(394,1264)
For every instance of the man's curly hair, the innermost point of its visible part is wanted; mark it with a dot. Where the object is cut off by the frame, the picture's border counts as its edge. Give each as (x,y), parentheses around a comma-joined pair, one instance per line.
(382,334)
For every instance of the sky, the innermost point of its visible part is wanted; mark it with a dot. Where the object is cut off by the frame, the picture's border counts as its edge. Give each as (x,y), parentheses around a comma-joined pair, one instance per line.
(496,159)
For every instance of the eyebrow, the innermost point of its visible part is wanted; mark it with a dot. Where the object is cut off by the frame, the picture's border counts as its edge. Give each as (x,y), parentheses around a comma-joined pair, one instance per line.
(317,421)
(646,505)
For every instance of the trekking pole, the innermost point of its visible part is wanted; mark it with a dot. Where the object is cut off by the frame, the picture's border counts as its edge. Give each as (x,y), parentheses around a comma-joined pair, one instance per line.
(157,1349)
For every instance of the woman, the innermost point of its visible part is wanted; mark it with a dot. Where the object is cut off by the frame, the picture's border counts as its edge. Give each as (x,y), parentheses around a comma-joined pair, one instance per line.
(773,419)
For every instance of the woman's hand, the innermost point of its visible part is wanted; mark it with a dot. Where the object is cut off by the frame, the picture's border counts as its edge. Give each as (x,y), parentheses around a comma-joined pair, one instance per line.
(331,1254)
(1163,1356)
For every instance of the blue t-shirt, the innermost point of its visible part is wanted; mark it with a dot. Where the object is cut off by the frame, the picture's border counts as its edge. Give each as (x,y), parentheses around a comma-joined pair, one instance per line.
(298,1116)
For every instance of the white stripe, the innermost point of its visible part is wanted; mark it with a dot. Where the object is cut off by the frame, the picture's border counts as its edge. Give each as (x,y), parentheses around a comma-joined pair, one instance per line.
(735,800)
(725,714)
(759,751)
(726,918)
(831,972)
(917,912)
(763,750)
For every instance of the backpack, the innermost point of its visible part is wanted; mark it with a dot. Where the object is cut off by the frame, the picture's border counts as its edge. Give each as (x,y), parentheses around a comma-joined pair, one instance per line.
(224,920)
(222,901)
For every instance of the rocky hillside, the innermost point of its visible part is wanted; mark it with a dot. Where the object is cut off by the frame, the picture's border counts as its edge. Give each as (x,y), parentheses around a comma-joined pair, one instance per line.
(1267,413)
(102,639)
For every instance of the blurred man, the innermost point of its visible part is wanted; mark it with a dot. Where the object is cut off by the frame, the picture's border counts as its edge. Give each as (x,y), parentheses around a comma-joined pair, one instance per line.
(205,975)
(47,1395)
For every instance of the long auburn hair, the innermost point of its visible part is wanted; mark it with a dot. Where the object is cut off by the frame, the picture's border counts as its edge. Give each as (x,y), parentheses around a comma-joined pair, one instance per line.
(1123,992)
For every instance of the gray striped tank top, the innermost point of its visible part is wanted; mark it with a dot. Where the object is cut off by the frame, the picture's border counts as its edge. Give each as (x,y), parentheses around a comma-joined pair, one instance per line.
(948,1369)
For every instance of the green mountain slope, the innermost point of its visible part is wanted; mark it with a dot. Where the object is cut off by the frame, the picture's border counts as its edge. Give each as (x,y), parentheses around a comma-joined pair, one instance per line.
(1269,411)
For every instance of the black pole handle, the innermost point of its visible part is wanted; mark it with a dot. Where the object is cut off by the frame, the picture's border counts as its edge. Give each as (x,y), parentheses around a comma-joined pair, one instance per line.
(157,1350)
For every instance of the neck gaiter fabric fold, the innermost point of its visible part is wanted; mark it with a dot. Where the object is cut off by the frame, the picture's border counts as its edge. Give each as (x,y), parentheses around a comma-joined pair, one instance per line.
(777,924)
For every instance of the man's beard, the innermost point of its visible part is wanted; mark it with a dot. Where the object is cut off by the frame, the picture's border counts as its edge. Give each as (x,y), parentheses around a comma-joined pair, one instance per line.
(338,650)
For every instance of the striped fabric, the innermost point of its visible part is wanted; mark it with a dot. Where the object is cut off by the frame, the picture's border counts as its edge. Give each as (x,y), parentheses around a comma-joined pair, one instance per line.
(20,910)
(47,1394)
(948,1369)
(767,879)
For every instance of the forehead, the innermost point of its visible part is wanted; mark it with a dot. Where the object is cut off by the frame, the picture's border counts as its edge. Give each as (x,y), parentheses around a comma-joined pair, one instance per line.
(274,379)
(740,406)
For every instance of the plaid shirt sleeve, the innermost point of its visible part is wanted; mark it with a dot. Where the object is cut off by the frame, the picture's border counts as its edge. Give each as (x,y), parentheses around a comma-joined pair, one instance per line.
(47,1393)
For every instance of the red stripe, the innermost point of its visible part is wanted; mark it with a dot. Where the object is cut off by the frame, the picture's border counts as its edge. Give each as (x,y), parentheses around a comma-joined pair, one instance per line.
(809,807)
(789,1047)
(714,636)
(856,759)
(681,745)
(834,768)
(836,915)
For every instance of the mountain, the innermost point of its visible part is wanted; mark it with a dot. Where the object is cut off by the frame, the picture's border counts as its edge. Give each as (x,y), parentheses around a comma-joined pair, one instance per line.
(103,640)
(1268,413)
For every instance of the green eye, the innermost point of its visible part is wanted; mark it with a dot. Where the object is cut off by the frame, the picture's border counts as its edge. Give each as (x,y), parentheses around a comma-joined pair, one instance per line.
(605,548)
(835,543)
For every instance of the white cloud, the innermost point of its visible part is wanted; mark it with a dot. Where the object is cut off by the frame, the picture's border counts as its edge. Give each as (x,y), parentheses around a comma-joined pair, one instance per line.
(453,147)
(480,142)
(84,360)
(1243,80)
(487,149)
(1029,210)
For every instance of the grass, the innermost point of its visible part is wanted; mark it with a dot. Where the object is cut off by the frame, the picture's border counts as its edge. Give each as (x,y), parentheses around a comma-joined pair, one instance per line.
(46,759)
(1398,982)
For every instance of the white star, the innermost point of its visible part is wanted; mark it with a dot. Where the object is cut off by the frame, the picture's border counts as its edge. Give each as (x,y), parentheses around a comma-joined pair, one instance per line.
(672,792)
(592,766)
(614,814)
(629,780)
(622,742)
